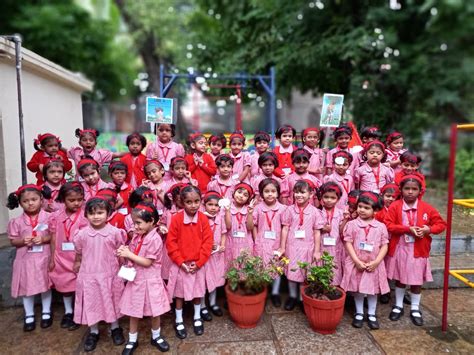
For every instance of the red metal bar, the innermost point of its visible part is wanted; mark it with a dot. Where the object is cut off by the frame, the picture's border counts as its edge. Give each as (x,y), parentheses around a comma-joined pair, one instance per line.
(238,109)
(449,217)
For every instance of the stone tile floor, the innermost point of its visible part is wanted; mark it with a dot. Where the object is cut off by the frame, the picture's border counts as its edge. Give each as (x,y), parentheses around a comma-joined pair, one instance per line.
(279,332)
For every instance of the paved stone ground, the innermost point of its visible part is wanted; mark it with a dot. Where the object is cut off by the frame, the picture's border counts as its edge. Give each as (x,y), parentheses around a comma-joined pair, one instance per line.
(279,332)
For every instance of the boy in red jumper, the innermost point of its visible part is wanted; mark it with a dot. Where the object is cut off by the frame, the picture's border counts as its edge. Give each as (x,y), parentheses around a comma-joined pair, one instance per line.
(200,164)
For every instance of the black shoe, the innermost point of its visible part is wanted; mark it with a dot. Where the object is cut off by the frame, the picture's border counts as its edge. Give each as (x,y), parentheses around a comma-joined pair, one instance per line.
(217,311)
(276,300)
(394,316)
(29,327)
(205,315)
(161,344)
(385,298)
(67,320)
(290,304)
(358,323)
(46,323)
(91,342)
(407,299)
(418,321)
(73,326)
(198,329)
(130,348)
(373,324)
(117,336)
(180,333)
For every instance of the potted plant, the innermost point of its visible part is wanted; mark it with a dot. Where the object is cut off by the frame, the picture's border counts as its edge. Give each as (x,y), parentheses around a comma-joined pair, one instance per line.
(323,303)
(246,289)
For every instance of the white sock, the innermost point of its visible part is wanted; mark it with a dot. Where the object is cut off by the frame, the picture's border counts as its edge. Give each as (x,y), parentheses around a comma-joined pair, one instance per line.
(197,311)
(29,306)
(179,315)
(213,297)
(46,298)
(155,333)
(132,337)
(94,329)
(67,304)
(399,293)
(359,304)
(372,305)
(415,304)
(276,286)
(293,289)
(114,325)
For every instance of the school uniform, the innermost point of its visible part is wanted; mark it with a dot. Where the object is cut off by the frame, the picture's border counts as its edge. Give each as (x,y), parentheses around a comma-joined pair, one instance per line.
(91,190)
(332,243)
(189,239)
(135,166)
(346,183)
(238,237)
(224,187)
(285,164)
(202,173)
(42,158)
(392,156)
(369,178)
(241,161)
(117,220)
(51,205)
(257,179)
(354,153)
(101,156)
(215,266)
(164,152)
(166,221)
(293,178)
(316,160)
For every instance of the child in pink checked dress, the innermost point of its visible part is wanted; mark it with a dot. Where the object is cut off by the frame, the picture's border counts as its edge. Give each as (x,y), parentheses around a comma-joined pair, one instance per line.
(261,140)
(300,160)
(98,287)
(268,162)
(53,174)
(373,175)
(30,234)
(63,225)
(140,194)
(312,137)
(215,266)
(242,161)
(342,135)
(329,194)
(342,160)
(154,173)
(266,222)
(146,294)
(189,244)
(366,241)
(223,182)
(394,149)
(216,144)
(89,170)
(164,149)
(300,237)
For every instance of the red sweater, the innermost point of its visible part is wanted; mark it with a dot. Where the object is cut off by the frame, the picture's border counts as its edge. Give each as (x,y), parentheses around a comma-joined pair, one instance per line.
(189,242)
(41,158)
(426,215)
(284,161)
(117,220)
(134,167)
(202,173)
(380,215)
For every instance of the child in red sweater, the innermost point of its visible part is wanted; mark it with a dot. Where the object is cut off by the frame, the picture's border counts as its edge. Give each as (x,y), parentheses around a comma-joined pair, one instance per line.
(285,134)
(200,164)
(135,159)
(189,243)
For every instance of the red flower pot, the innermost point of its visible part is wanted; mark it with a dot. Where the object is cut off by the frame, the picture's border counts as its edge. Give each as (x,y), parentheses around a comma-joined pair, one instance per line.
(245,310)
(323,315)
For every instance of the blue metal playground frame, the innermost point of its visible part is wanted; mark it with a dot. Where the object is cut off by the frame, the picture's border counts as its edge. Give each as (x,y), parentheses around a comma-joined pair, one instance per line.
(267,81)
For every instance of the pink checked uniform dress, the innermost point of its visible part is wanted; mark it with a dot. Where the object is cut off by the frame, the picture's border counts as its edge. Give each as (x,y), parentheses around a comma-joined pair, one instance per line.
(257,179)
(332,242)
(355,162)
(224,187)
(293,178)
(364,236)
(166,261)
(101,156)
(238,237)
(51,205)
(30,267)
(373,179)
(254,168)
(215,266)
(403,266)
(392,155)
(346,183)
(316,159)
(300,240)
(91,190)
(164,152)
(98,287)
(146,295)
(267,220)
(241,160)
(64,226)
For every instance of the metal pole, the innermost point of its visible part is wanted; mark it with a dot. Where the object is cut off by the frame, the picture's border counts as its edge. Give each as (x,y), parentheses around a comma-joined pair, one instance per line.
(272,110)
(449,216)
(238,110)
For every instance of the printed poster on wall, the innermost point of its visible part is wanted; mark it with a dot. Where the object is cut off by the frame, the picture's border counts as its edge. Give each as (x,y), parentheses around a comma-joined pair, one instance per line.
(160,110)
(331,113)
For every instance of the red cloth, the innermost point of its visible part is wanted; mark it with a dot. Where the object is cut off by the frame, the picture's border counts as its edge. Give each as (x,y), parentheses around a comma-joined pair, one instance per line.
(380,215)
(40,157)
(189,242)
(426,215)
(135,168)
(401,174)
(284,161)
(202,173)
(125,194)
(117,220)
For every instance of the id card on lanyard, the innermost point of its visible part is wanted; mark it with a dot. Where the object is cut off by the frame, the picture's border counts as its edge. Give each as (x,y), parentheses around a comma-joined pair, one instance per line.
(269,234)
(37,227)
(69,245)
(411,216)
(365,245)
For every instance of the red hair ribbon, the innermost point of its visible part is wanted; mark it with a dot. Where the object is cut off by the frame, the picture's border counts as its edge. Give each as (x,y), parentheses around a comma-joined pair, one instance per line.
(412,177)
(409,158)
(393,137)
(177,159)
(237,135)
(212,194)
(27,186)
(245,186)
(194,136)
(309,129)
(370,195)
(144,208)
(352,200)
(342,154)
(152,161)
(42,137)
(85,161)
(180,185)
(390,186)
(372,129)
(375,142)
(107,192)
(337,188)
(82,132)
(310,183)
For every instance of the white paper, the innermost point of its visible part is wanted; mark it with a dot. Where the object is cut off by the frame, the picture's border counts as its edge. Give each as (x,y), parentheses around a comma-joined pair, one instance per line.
(224,202)
(67,246)
(41,227)
(123,211)
(127,273)
(35,249)
(286,170)
(329,241)
(269,235)
(300,234)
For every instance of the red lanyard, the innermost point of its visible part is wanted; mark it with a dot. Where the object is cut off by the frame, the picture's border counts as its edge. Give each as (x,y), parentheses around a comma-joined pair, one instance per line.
(54,194)
(301,215)
(411,214)
(165,155)
(240,217)
(213,228)
(34,223)
(223,193)
(329,216)
(345,185)
(269,220)
(376,175)
(91,191)
(367,230)
(139,246)
(67,230)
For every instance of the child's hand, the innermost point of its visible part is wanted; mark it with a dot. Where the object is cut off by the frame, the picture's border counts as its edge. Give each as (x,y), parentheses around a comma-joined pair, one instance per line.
(76,266)
(155,156)
(221,248)
(251,206)
(326,228)
(185,267)
(346,215)
(37,240)
(146,182)
(28,240)
(40,167)
(162,229)
(360,265)
(415,231)
(371,266)
(317,256)
(51,265)
(124,251)
(279,252)
(193,267)
(325,149)
(187,174)
(425,230)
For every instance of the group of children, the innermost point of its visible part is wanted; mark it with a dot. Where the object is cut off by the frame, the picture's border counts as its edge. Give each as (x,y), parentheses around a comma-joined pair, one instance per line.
(171,220)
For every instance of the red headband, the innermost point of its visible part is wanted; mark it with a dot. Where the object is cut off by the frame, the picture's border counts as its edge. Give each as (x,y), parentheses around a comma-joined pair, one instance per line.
(144,208)
(237,135)
(152,161)
(352,200)
(309,129)
(390,186)
(409,157)
(370,144)
(337,188)
(180,185)
(177,160)
(244,186)
(27,186)
(370,195)
(212,194)
(147,194)
(411,177)
(195,135)
(342,154)
(393,137)
(42,137)
(372,129)
(85,161)
(82,132)
(310,183)
(107,192)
